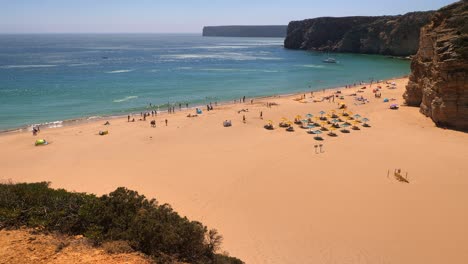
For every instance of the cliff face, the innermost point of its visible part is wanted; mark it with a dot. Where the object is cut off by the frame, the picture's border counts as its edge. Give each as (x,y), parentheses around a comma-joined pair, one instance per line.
(439,72)
(389,35)
(245,31)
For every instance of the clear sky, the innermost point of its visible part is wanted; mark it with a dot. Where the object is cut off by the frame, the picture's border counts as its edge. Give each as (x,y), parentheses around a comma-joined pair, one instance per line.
(188,16)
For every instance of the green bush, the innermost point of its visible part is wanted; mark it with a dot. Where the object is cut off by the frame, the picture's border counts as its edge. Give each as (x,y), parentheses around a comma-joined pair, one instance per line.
(122,215)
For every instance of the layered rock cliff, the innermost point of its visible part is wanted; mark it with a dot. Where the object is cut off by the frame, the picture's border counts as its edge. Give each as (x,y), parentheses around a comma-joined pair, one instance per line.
(388,35)
(245,31)
(439,72)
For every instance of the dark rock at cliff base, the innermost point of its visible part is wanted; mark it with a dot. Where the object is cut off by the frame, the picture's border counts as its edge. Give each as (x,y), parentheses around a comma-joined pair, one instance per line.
(438,83)
(388,35)
(245,31)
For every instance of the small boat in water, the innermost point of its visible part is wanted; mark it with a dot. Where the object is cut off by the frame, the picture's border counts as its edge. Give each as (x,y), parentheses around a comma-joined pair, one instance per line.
(329,60)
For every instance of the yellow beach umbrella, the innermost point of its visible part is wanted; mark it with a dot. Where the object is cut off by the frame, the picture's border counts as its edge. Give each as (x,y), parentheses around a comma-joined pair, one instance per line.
(299,117)
(284,119)
(269,121)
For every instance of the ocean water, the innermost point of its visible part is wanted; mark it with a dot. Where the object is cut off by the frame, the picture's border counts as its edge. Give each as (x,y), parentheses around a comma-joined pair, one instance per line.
(54,77)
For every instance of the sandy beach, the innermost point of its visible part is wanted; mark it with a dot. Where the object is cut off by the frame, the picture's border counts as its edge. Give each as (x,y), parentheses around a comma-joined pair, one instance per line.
(269,193)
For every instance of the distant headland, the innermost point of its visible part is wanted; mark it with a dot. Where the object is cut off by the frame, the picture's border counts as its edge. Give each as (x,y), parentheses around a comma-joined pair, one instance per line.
(246,31)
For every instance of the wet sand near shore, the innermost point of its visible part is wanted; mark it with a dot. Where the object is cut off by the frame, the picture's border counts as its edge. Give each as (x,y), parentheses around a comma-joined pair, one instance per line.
(272,197)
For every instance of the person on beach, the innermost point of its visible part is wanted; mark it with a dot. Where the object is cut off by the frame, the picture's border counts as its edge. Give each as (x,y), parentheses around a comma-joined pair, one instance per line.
(166,121)
(243,118)
(180,106)
(261,114)
(186,105)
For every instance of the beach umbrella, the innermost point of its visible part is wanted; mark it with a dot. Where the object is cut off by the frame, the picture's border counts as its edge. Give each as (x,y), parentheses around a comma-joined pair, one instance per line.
(322,113)
(335,120)
(365,120)
(298,117)
(309,115)
(357,116)
(317,132)
(345,125)
(269,122)
(284,119)
(310,127)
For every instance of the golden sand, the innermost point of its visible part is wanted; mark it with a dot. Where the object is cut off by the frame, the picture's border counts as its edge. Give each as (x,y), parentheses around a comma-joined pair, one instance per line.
(272,197)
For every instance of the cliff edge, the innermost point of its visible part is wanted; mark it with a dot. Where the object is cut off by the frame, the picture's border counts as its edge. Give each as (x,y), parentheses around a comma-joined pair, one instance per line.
(439,71)
(387,35)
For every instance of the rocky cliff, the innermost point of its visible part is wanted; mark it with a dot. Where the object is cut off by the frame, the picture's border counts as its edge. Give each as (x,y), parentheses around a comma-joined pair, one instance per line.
(389,35)
(245,31)
(439,72)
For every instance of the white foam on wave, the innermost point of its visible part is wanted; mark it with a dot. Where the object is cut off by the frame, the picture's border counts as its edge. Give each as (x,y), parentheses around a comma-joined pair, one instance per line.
(312,66)
(82,64)
(54,124)
(125,99)
(27,66)
(120,71)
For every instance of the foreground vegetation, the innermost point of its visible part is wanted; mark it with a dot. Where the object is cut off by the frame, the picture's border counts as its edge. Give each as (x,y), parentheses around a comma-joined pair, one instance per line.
(122,215)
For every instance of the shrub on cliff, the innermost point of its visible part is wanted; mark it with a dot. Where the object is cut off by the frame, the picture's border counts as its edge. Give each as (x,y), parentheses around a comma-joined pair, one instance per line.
(122,215)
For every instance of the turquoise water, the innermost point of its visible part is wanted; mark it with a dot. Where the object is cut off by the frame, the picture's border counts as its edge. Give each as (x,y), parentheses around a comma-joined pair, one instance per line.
(52,77)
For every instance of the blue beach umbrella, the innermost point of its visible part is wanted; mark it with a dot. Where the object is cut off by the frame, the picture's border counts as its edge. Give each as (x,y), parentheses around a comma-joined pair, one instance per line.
(322,113)
(365,120)
(309,115)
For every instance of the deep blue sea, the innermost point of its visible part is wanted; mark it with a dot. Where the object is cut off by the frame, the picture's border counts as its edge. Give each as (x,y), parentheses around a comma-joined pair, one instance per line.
(53,77)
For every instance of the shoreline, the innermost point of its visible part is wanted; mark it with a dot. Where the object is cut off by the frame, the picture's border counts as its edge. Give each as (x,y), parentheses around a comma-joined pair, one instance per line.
(99,118)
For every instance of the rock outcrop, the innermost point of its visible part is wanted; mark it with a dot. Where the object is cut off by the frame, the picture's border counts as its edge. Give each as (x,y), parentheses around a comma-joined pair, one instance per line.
(438,82)
(246,31)
(388,35)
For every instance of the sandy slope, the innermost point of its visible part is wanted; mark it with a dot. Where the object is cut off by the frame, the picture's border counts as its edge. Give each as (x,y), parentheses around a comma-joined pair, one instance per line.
(28,247)
(268,193)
